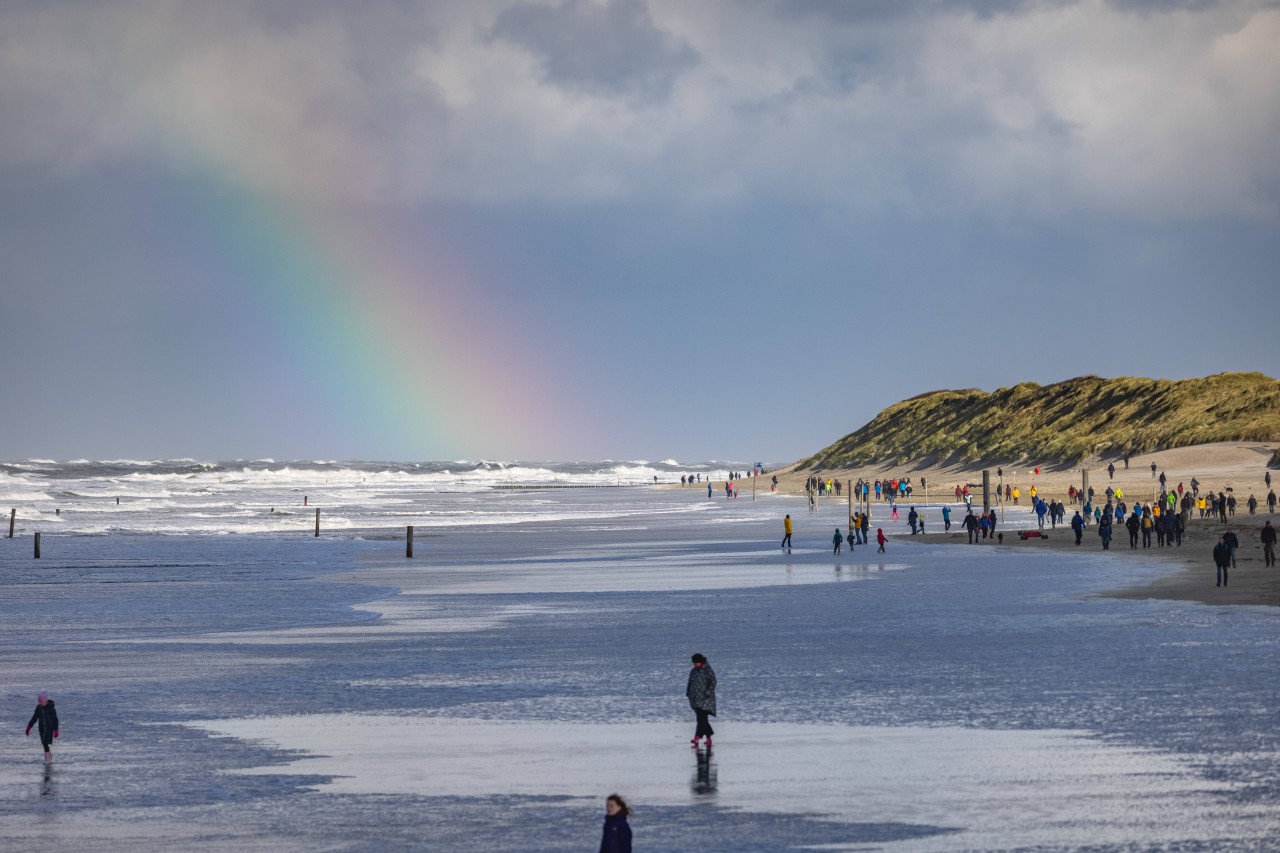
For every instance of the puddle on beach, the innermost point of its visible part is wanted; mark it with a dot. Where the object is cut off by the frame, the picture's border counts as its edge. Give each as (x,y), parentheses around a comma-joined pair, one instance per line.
(995,786)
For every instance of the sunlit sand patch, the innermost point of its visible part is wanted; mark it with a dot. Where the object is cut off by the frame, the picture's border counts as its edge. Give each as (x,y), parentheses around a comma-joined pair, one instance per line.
(999,786)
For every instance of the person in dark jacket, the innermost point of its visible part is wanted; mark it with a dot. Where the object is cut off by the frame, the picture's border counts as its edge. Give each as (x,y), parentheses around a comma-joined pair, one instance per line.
(701,692)
(1233,544)
(1222,559)
(971,525)
(617,832)
(1132,523)
(47,717)
(1269,544)
(1104,532)
(1077,525)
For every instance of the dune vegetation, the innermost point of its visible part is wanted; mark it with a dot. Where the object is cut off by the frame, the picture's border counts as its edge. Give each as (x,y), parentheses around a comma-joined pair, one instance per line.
(1064,423)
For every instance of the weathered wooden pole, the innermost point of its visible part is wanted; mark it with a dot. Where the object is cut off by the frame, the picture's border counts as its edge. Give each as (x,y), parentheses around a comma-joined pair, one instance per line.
(408,542)
(304,500)
(12,514)
(848,485)
(1084,486)
(37,544)
(317,522)
(986,491)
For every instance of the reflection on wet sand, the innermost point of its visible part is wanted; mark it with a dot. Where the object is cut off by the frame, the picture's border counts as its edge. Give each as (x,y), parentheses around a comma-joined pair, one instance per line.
(705,781)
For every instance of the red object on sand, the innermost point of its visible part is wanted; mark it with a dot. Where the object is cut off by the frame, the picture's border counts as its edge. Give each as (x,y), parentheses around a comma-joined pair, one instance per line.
(1031,534)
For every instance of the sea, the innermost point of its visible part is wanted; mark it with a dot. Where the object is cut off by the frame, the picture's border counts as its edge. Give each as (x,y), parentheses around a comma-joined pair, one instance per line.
(227,679)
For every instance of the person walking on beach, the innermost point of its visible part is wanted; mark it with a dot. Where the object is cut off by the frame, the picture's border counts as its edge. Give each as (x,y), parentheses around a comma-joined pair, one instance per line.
(946,518)
(1268,544)
(1077,525)
(1271,501)
(46,716)
(835,542)
(1104,531)
(971,525)
(1233,544)
(912,518)
(1111,470)
(1221,559)
(881,539)
(701,692)
(786,529)
(617,832)
(864,525)
(1147,523)
(1132,524)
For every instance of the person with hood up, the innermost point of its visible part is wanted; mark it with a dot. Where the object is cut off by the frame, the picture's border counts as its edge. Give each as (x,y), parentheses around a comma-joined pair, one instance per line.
(47,718)
(881,539)
(1104,532)
(835,542)
(701,692)
(617,832)
(786,529)
(946,518)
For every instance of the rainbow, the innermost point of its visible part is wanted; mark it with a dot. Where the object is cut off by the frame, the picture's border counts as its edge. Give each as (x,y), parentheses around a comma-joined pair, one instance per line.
(394,341)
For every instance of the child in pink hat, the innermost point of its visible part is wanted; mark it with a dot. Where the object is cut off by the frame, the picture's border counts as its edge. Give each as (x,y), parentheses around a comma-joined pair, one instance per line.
(47,717)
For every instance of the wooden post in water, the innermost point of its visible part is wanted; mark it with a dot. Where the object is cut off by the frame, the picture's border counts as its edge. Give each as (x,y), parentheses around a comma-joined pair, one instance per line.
(37,544)
(12,514)
(317,522)
(408,542)
(1084,487)
(986,491)
(304,500)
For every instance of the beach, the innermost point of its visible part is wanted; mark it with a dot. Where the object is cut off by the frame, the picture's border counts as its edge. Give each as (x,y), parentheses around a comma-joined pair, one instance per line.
(223,691)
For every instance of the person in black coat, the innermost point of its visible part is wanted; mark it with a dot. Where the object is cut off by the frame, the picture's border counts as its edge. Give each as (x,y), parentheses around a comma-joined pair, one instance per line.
(701,692)
(47,717)
(1233,543)
(1222,559)
(1268,544)
(617,832)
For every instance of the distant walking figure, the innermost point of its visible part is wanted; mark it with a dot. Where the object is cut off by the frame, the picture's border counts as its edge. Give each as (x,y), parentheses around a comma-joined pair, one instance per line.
(1222,559)
(786,529)
(1268,544)
(701,692)
(881,539)
(47,717)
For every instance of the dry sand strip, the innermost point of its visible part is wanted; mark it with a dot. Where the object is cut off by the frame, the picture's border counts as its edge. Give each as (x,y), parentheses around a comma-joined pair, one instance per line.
(1239,466)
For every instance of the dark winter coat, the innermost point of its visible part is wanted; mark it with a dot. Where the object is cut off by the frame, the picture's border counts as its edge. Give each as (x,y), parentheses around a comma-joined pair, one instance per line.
(617,834)
(47,717)
(1268,536)
(702,689)
(1221,555)
(1231,540)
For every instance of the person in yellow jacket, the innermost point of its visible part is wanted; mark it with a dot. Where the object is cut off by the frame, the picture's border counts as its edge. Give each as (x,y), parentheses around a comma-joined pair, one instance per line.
(1119,494)
(786,528)
(1016,494)
(1032,493)
(1200,505)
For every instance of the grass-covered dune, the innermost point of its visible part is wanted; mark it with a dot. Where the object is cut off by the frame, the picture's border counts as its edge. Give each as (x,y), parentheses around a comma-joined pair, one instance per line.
(1064,423)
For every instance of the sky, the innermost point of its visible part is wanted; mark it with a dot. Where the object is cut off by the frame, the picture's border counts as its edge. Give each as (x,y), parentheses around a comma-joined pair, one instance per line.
(614,229)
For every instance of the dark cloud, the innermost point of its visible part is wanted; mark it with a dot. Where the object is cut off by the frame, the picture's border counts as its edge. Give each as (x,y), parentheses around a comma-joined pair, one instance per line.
(611,49)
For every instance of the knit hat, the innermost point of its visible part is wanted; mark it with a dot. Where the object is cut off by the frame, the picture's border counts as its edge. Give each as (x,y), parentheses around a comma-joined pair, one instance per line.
(43,697)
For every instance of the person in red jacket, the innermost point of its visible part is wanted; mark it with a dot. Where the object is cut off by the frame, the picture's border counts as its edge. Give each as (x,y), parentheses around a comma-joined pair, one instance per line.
(881,539)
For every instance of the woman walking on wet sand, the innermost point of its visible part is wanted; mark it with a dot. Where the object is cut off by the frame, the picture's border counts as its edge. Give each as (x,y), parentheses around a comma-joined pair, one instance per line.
(701,692)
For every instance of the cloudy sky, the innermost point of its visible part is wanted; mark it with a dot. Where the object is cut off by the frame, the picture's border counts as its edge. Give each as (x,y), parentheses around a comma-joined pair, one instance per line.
(566,229)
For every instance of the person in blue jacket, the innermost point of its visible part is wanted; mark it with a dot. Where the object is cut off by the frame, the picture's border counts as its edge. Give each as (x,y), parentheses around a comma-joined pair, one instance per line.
(946,518)
(1077,524)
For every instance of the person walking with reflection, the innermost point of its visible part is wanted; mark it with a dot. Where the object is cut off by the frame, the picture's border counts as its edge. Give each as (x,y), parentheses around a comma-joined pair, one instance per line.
(786,529)
(701,692)
(47,718)
(617,832)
